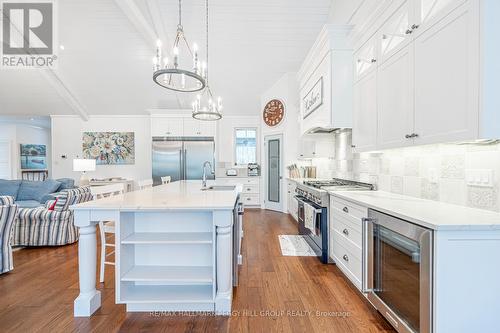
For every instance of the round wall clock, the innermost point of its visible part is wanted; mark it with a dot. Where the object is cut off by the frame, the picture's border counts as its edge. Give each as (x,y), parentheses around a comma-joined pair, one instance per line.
(273,112)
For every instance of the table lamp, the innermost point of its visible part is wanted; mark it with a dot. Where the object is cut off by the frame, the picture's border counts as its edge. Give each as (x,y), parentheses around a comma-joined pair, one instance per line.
(83,165)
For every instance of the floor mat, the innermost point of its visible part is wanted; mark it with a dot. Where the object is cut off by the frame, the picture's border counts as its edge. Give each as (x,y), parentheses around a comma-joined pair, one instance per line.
(295,245)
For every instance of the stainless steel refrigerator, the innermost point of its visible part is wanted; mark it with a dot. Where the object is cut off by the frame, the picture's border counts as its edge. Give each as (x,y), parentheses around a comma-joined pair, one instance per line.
(182,158)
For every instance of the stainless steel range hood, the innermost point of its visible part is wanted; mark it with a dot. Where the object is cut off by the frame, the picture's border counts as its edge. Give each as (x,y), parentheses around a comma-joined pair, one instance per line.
(324,130)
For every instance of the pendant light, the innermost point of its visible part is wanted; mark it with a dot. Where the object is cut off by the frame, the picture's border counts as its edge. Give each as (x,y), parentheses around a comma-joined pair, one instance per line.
(183,71)
(205,107)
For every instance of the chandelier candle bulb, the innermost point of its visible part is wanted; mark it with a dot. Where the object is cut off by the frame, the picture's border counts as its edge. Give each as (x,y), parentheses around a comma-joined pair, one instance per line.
(165,62)
(158,50)
(176,57)
(155,63)
(195,57)
(204,70)
(183,81)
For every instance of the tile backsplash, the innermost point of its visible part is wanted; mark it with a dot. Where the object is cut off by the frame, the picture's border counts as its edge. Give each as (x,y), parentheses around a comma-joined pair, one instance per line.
(435,172)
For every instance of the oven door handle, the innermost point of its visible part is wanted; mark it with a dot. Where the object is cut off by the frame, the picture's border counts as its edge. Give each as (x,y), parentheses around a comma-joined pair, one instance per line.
(367,254)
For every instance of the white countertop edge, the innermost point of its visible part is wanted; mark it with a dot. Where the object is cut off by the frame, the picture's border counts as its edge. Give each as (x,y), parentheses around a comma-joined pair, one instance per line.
(349,196)
(153,209)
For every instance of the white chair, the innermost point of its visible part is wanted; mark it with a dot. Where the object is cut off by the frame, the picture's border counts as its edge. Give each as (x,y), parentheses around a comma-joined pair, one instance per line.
(146,183)
(166,180)
(106,227)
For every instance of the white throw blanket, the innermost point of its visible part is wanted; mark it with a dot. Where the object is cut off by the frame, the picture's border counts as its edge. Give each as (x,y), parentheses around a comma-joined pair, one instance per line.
(310,217)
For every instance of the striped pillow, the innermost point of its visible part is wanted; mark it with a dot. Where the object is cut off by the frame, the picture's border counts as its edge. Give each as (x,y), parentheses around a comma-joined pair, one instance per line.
(70,197)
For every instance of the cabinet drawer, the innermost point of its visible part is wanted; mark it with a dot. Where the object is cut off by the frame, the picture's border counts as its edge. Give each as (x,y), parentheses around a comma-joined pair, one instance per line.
(348,229)
(352,221)
(254,181)
(348,258)
(349,209)
(250,199)
(251,188)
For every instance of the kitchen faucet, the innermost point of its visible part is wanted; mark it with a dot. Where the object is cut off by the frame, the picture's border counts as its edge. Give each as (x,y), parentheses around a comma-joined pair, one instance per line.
(204,179)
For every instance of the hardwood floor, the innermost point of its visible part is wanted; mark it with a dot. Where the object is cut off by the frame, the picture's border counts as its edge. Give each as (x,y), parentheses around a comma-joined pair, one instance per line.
(276,293)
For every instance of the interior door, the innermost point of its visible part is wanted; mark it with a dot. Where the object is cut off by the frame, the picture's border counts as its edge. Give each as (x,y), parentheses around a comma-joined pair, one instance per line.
(273,189)
(195,154)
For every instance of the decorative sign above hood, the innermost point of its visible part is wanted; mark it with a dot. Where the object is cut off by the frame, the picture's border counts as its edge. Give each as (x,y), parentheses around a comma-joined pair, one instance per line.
(313,99)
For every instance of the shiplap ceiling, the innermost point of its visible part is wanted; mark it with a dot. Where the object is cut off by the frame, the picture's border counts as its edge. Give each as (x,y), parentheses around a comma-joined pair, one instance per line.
(106,61)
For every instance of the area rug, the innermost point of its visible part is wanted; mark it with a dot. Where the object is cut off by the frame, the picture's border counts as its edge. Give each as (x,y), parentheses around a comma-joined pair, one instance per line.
(295,245)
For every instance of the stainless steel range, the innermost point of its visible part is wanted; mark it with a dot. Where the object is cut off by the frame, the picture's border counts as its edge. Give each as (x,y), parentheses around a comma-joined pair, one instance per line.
(312,197)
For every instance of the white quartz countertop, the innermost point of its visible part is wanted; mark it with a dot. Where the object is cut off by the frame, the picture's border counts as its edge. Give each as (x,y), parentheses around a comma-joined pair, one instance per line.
(430,214)
(185,194)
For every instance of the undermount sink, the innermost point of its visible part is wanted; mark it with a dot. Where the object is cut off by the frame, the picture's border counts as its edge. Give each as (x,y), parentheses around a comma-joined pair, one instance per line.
(219,188)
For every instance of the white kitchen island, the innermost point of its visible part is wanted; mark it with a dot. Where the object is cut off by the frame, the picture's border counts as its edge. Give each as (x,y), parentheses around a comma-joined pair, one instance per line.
(174,248)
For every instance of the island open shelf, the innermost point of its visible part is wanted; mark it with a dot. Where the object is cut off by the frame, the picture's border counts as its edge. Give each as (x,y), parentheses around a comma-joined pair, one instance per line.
(169,238)
(166,258)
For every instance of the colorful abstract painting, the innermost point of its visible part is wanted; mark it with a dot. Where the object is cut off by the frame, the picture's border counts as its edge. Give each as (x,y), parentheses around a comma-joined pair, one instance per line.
(33,157)
(109,147)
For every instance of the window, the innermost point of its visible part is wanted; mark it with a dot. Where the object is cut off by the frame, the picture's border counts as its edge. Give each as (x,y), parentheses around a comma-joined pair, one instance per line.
(245,146)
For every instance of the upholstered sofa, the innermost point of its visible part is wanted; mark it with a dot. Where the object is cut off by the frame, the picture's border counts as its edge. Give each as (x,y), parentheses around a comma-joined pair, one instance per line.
(42,226)
(8,214)
(31,194)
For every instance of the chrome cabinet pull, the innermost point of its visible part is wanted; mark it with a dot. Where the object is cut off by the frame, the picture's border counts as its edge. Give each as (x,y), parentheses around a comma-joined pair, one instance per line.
(415,26)
(373,60)
(409,31)
(415,135)
(345,257)
(345,232)
(408,136)
(345,209)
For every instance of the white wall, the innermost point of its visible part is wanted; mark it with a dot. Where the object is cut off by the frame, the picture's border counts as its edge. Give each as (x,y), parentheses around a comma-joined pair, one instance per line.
(286,90)
(67,140)
(225,136)
(18,134)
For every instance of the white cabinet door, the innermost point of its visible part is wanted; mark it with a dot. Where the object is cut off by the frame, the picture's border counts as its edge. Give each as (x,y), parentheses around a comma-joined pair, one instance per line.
(446,79)
(192,127)
(395,100)
(175,126)
(166,126)
(365,59)
(159,126)
(208,128)
(307,148)
(364,130)
(395,34)
(429,12)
